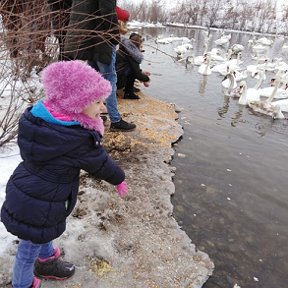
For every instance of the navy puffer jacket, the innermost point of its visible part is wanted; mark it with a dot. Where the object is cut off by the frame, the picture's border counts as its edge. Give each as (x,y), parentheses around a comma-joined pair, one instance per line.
(42,191)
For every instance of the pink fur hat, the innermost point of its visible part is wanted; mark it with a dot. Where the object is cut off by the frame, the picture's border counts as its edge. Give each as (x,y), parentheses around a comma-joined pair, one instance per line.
(70,86)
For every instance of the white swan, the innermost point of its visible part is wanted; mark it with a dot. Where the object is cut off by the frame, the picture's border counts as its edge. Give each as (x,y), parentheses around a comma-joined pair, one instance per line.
(274,64)
(162,40)
(230,86)
(252,69)
(188,46)
(229,81)
(280,79)
(281,65)
(267,107)
(264,41)
(283,104)
(204,68)
(260,75)
(224,68)
(285,48)
(223,40)
(247,94)
(180,50)
(198,60)
(279,94)
(240,75)
(259,47)
(251,42)
(189,60)
(237,48)
(235,63)
(215,55)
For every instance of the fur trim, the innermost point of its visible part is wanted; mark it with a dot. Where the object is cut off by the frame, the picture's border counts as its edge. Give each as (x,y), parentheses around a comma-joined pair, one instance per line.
(89,123)
(133,50)
(70,86)
(45,112)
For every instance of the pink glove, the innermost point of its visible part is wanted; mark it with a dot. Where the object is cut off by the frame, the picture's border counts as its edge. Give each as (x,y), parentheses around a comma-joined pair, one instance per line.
(122,189)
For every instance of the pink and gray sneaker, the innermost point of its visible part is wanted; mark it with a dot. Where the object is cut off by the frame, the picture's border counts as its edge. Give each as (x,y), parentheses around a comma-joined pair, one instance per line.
(53,267)
(36,283)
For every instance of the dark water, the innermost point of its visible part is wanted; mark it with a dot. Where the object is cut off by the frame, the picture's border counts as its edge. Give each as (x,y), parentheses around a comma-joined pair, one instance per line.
(231,187)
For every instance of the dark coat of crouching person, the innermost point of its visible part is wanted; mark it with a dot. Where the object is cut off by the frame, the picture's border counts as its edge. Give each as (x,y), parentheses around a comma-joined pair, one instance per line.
(129,58)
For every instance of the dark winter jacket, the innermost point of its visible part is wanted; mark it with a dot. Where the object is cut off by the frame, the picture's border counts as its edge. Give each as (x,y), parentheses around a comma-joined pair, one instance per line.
(128,60)
(60,19)
(42,191)
(60,14)
(93,30)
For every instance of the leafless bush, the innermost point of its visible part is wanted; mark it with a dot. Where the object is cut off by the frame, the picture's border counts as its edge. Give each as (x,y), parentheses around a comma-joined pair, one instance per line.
(26,25)
(31,37)
(26,47)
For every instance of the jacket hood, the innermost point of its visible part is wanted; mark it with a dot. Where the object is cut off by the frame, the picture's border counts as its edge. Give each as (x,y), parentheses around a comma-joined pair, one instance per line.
(133,50)
(42,141)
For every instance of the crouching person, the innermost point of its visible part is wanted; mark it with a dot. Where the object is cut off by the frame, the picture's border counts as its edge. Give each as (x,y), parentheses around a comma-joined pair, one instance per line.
(128,60)
(57,137)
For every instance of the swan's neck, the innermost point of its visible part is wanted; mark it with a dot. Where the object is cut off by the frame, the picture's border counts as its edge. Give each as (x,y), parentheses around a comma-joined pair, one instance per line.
(205,49)
(271,97)
(232,81)
(206,69)
(238,58)
(243,96)
(207,64)
(229,54)
(260,80)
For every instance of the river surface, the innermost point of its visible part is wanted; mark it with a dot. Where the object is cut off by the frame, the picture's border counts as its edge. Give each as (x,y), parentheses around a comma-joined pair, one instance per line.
(231,179)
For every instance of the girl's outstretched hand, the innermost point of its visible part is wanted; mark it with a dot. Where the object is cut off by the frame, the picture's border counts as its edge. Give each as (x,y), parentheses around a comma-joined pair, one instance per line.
(122,189)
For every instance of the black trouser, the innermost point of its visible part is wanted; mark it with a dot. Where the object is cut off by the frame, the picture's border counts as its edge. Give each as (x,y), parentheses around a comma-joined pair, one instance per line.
(60,10)
(129,84)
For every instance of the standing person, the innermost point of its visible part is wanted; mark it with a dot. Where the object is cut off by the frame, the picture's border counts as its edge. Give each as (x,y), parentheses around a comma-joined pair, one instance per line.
(60,13)
(93,35)
(57,137)
(129,57)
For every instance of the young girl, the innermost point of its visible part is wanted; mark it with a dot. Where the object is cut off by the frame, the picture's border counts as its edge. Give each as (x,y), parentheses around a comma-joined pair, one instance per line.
(57,137)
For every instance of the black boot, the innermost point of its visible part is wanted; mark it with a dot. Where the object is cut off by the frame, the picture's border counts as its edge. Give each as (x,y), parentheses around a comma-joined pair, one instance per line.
(122,126)
(53,267)
(131,96)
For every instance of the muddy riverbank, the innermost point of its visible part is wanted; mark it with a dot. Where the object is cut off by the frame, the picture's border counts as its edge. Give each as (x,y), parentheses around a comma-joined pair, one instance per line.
(131,242)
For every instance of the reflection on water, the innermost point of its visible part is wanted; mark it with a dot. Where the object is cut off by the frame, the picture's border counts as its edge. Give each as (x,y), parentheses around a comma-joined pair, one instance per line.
(202,85)
(231,188)
(222,111)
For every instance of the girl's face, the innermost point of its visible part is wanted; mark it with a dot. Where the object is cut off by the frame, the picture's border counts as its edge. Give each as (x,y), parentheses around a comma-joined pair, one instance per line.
(95,109)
